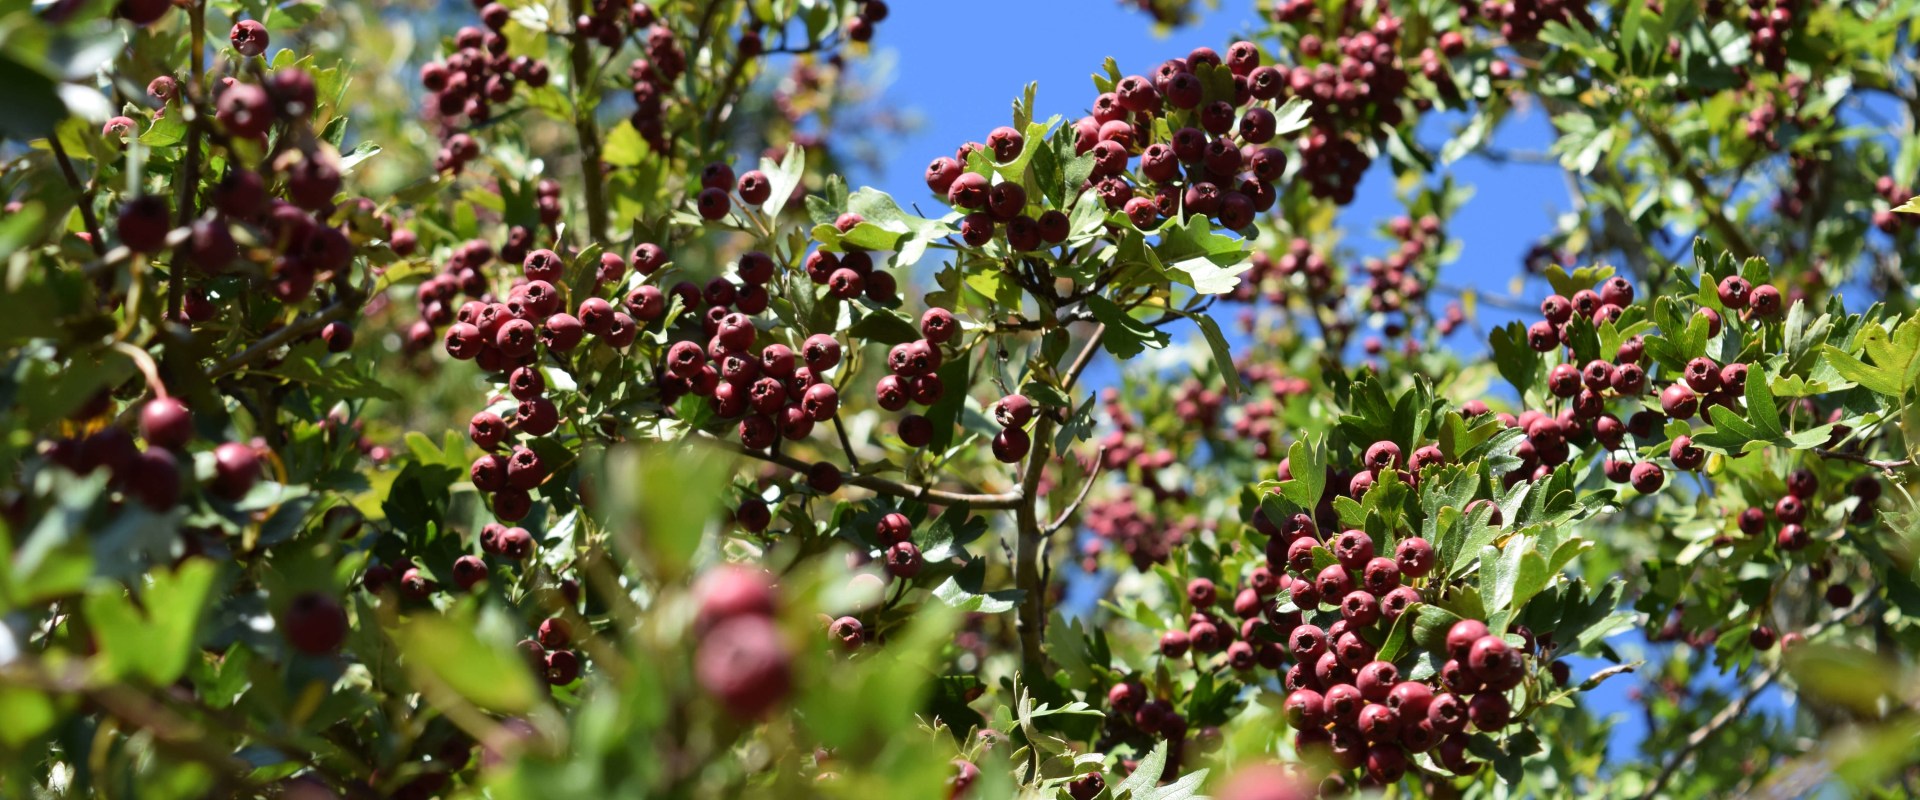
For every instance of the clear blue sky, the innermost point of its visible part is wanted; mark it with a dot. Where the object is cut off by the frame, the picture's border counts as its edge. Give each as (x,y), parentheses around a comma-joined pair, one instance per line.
(958,68)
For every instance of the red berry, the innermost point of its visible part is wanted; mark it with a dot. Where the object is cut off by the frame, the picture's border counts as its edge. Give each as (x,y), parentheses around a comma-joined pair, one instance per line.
(315,623)
(249,38)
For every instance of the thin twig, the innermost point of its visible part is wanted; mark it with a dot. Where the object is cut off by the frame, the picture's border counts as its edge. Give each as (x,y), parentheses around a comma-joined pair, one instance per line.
(1883,466)
(1093,475)
(874,483)
(587,129)
(845,443)
(339,310)
(147,368)
(190,178)
(1735,239)
(1738,709)
(85,191)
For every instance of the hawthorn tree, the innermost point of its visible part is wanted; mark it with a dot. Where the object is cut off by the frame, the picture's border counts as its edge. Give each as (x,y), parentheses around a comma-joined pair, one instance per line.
(771,485)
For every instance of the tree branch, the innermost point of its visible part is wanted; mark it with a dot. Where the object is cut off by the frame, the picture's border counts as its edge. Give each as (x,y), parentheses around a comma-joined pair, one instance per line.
(588,129)
(339,310)
(1099,463)
(873,483)
(85,191)
(1738,709)
(189,180)
(1735,239)
(1032,617)
(1884,466)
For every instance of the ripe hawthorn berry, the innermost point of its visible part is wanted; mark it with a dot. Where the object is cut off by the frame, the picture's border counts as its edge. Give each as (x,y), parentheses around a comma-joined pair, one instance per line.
(143,223)
(848,632)
(236,468)
(713,204)
(916,430)
(1685,455)
(1011,445)
(824,477)
(468,572)
(562,667)
(315,623)
(165,422)
(249,38)
(1647,477)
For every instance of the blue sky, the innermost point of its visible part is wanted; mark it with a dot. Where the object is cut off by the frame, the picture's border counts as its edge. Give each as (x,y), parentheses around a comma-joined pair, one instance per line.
(958,68)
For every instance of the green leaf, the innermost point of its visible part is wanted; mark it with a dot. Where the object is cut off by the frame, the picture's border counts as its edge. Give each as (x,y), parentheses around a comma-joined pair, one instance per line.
(1036,137)
(962,591)
(1222,354)
(155,640)
(167,131)
(884,326)
(1516,361)
(1125,337)
(1430,626)
(661,498)
(885,227)
(1292,116)
(444,653)
(360,153)
(624,147)
(1309,470)
(782,178)
(1208,261)
(1402,633)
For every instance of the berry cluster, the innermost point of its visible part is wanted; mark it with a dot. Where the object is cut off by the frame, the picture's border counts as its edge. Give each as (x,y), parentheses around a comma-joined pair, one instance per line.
(911,368)
(1767,22)
(1522,21)
(1213,161)
(510,337)
(470,81)
(1355,79)
(152,474)
(1369,719)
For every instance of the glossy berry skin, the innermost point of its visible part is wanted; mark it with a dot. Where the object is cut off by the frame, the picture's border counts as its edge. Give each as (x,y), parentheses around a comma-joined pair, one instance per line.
(143,223)
(1647,477)
(165,422)
(236,468)
(1382,456)
(1679,401)
(468,572)
(1306,709)
(1790,510)
(1735,292)
(1353,548)
(1201,593)
(1174,644)
(1489,711)
(249,38)
(1802,483)
(745,666)
(1686,456)
(904,560)
(1765,302)
(848,632)
(1414,556)
(1013,411)
(315,623)
(1461,637)
(562,667)
(1011,445)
